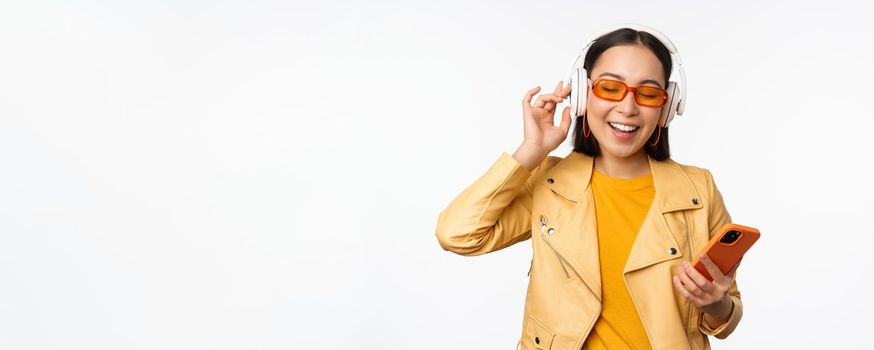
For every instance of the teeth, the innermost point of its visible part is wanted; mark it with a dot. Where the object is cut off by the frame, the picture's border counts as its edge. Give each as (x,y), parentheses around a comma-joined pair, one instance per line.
(623,127)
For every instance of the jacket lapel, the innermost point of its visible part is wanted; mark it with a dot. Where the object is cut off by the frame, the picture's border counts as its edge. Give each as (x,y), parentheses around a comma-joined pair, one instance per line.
(664,225)
(578,240)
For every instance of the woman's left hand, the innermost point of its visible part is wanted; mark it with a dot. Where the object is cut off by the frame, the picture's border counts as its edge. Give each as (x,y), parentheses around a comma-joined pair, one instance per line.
(709,297)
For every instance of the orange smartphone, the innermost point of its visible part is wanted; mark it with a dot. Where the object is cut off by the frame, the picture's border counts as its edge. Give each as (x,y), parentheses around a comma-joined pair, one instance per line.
(726,248)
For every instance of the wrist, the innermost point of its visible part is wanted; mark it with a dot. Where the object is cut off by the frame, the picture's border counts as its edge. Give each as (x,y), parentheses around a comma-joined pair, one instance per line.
(529,155)
(533,146)
(720,312)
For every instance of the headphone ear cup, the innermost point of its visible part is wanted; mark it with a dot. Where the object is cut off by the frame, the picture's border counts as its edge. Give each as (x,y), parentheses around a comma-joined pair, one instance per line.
(579,92)
(670,107)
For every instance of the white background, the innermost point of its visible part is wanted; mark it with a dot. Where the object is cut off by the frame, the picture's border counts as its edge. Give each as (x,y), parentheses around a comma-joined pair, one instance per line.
(268,175)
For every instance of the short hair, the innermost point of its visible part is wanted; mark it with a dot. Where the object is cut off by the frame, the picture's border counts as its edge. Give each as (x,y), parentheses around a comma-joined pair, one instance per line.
(625,36)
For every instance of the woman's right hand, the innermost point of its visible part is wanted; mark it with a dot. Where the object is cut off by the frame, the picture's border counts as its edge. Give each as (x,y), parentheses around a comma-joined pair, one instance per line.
(539,119)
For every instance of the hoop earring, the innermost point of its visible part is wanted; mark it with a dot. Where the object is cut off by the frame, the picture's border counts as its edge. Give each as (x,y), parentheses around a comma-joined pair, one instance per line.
(658,136)
(586,132)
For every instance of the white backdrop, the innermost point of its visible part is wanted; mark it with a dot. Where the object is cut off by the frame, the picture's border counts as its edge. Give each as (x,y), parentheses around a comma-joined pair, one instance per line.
(268,175)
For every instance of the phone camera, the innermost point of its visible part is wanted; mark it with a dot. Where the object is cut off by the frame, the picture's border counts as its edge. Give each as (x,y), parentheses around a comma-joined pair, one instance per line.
(730,237)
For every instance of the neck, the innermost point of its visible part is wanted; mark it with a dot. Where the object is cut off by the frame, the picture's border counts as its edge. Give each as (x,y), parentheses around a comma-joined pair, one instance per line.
(623,167)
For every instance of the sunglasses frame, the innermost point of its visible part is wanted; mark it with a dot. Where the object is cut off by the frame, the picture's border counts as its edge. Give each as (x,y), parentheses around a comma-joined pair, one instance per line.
(631,89)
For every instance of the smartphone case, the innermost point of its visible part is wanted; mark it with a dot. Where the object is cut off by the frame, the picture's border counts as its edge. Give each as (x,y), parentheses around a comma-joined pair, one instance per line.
(726,255)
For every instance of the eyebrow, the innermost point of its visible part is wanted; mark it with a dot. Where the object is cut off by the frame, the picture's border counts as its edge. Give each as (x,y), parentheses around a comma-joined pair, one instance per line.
(623,78)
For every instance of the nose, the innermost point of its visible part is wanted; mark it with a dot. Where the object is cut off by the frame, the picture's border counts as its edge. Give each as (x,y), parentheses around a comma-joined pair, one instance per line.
(628,106)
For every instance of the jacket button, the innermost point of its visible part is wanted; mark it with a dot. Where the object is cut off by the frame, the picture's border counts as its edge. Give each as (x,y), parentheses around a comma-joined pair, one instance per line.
(551,231)
(550,180)
(536,340)
(695,201)
(673,251)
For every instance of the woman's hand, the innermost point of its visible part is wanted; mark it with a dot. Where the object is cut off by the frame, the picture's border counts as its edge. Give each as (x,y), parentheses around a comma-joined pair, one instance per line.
(709,297)
(539,119)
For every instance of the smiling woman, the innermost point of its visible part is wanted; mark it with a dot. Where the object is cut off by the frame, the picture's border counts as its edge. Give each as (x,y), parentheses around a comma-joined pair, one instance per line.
(613,224)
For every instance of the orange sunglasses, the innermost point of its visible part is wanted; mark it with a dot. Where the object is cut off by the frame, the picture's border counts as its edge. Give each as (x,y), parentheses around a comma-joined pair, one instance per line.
(615,90)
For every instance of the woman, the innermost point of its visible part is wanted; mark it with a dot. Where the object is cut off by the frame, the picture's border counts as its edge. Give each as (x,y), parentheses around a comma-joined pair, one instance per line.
(613,224)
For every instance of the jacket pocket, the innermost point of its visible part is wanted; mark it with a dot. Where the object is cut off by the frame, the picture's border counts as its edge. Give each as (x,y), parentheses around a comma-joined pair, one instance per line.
(537,335)
(562,264)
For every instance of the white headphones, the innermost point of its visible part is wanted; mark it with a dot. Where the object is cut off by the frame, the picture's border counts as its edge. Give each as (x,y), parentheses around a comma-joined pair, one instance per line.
(578,77)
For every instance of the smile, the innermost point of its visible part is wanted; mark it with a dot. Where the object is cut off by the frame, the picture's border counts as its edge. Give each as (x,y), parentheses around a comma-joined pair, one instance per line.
(623,127)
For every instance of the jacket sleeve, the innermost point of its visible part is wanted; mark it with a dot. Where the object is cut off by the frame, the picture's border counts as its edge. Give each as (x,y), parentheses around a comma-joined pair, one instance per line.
(492,213)
(718,216)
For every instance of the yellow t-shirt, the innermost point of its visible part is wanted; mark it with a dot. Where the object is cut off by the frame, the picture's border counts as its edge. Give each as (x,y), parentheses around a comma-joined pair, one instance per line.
(620,207)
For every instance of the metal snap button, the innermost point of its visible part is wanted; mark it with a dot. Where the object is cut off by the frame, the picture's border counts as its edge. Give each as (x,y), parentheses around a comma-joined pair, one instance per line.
(551,231)
(673,251)
(550,180)
(695,201)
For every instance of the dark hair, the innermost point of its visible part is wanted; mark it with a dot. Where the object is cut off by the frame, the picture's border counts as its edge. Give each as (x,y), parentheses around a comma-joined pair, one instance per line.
(625,36)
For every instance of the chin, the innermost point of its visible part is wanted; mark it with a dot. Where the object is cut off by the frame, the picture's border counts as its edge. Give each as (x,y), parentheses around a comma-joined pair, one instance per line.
(623,151)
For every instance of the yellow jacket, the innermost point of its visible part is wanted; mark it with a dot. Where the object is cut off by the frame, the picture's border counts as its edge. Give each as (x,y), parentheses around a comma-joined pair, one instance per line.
(553,205)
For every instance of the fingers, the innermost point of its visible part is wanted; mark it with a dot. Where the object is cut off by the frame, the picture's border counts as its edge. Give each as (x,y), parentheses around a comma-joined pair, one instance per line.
(565,120)
(555,98)
(685,293)
(696,289)
(697,277)
(711,267)
(526,101)
(558,88)
(547,101)
(688,283)
(566,91)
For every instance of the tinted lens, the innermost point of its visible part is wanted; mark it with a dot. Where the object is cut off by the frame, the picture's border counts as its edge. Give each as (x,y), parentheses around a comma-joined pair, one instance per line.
(609,90)
(651,96)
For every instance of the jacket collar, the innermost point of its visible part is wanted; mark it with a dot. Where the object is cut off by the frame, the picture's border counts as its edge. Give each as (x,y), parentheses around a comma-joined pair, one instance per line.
(674,190)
